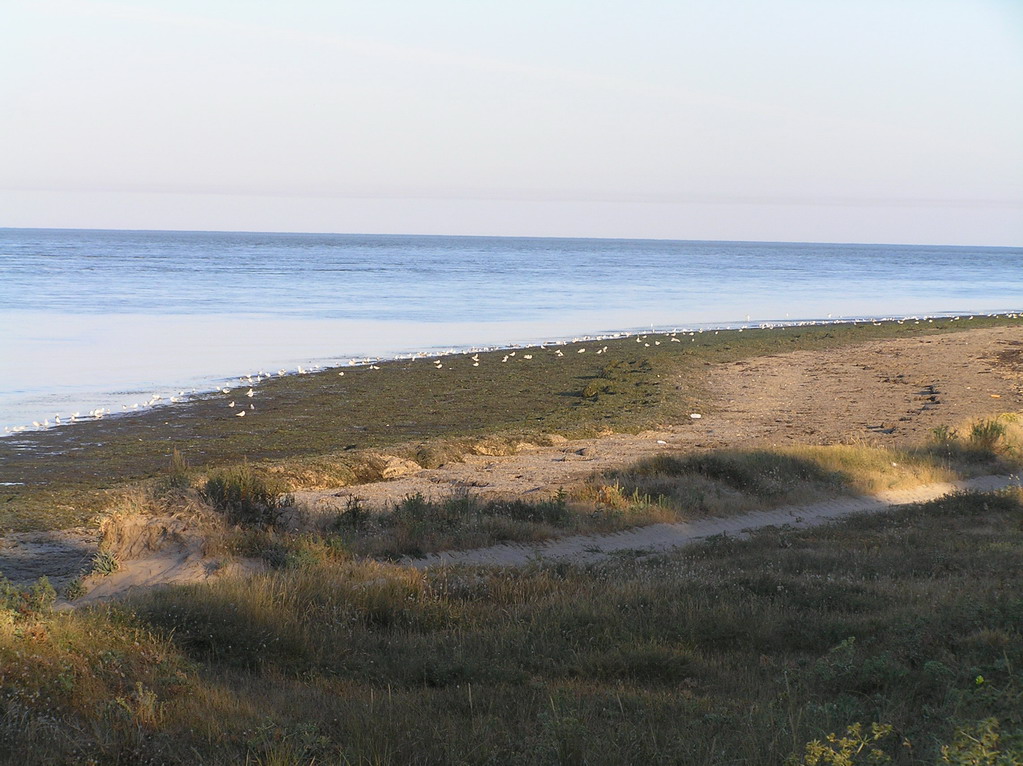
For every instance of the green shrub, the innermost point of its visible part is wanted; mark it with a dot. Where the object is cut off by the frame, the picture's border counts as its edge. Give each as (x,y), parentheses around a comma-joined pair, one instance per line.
(177,473)
(758,472)
(105,563)
(355,517)
(74,589)
(986,434)
(553,511)
(246,498)
(34,599)
(413,508)
(854,747)
(982,745)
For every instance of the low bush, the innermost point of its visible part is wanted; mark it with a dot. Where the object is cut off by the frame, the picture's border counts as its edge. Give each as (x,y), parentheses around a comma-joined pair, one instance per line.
(246,498)
(417,524)
(986,434)
(33,599)
(177,477)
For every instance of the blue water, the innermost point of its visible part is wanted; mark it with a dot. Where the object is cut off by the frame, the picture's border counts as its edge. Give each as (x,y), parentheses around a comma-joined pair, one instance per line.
(93,319)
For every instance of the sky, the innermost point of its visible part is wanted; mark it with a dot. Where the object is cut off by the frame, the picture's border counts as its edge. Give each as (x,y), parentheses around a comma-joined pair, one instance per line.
(894,121)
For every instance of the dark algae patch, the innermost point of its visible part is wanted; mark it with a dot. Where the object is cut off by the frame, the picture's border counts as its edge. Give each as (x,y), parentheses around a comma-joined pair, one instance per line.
(62,477)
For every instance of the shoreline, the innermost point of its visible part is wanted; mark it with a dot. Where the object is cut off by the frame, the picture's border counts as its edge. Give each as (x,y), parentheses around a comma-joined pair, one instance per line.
(164,396)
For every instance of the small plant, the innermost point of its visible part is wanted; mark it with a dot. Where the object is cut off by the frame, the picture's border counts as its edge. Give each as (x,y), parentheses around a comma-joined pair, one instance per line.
(34,599)
(855,747)
(986,434)
(290,554)
(607,496)
(74,589)
(143,707)
(979,745)
(105,563)
(355,517)
(944,435)
(177,473)
(553,511)
(245,497)
(457,509)
(414,508)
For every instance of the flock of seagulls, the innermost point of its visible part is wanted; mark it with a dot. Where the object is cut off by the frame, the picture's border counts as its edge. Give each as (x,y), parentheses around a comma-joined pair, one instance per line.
(436,358)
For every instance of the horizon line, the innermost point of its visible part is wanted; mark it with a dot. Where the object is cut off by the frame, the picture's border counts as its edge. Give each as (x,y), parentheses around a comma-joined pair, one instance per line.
(498,236)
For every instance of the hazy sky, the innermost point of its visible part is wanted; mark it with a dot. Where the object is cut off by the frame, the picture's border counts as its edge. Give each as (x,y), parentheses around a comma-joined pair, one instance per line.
(818,120)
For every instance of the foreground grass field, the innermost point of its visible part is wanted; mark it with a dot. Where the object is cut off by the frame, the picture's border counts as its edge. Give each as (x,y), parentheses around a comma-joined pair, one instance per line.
(320,430)
(897,633)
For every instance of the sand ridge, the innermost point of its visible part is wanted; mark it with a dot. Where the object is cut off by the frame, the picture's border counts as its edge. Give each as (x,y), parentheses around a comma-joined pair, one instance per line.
(656,538)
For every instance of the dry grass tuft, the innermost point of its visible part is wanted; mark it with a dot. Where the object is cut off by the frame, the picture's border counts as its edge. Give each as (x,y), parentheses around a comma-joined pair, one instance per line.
(679,486)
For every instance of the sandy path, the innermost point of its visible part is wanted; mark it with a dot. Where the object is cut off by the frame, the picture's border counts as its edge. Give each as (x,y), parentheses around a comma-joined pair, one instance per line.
(656,538)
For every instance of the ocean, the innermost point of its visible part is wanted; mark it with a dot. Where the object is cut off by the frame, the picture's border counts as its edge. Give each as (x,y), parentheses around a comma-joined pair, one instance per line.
(112,319)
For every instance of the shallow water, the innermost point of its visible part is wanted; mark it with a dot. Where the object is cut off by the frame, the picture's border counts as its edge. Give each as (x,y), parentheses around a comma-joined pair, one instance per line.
(108,319)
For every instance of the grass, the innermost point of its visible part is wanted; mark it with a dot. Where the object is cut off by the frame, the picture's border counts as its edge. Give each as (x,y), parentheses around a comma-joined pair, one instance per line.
(412,527)
(901,629)
(256,520)
(244,497)
(325,430)
(663,488)
(669,487)
(417,525)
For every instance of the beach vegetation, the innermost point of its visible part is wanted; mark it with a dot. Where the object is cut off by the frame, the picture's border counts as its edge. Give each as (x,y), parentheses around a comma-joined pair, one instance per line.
(104,563)
(245,496)
(177,477)
(417,525)
(75,588)
(981,440)
(986,434)
(18,600)
(897,633)
(668,486)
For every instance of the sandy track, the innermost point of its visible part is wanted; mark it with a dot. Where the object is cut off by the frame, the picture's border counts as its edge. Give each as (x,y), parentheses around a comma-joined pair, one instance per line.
(656,538)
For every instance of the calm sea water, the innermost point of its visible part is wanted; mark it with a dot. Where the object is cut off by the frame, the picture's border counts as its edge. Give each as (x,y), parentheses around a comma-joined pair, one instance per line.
(93,319)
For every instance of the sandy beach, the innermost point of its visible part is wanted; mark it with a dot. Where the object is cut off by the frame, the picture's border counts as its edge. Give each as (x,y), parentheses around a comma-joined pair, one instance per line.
(886,393)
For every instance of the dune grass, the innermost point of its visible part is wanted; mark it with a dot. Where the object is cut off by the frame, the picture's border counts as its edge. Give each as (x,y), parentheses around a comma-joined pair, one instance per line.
(321,429)
(243,512)
(663,488)
(729,652)
(725,482)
